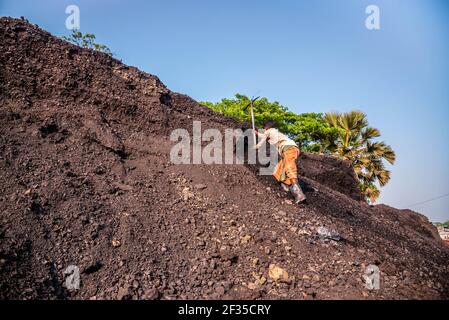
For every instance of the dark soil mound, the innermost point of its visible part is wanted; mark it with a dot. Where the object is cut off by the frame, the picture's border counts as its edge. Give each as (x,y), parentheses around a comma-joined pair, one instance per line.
(85,180)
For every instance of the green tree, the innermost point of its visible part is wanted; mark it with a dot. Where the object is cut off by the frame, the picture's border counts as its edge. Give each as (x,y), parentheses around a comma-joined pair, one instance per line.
(87,40)
(309,130)
(442,224)
(355,142)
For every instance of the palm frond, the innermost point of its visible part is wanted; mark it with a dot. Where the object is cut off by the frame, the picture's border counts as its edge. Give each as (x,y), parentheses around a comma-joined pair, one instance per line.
(332,119)
(370,133)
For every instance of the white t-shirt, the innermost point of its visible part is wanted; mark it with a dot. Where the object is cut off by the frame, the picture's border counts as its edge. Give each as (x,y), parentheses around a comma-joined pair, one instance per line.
(277,139)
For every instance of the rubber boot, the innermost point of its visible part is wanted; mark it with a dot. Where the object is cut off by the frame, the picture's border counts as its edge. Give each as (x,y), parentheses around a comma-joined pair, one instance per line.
(297,193)
(285,187)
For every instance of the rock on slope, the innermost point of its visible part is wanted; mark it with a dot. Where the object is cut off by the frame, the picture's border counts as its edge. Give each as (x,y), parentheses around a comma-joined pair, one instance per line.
(85,180)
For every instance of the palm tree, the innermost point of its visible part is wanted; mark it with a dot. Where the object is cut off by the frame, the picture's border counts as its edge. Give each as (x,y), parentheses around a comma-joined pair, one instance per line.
(371,192)
(355,143)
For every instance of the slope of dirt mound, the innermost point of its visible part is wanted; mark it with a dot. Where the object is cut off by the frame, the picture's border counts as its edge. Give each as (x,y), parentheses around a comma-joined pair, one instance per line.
(85,180)
(331,172)
(410,219)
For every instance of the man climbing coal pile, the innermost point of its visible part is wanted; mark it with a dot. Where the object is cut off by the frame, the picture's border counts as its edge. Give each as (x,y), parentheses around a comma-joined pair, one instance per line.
(285,171)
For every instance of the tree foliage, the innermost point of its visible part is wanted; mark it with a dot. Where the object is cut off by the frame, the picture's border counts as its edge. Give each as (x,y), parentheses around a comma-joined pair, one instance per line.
(356,142)
(442,224)
(308,130)
(87,40)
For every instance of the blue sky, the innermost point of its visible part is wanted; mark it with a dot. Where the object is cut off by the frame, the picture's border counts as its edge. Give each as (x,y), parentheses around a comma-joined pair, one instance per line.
(308,55)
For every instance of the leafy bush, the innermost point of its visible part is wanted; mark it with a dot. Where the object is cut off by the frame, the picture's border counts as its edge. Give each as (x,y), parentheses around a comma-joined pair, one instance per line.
(442,224)
(308,130)
(87,40)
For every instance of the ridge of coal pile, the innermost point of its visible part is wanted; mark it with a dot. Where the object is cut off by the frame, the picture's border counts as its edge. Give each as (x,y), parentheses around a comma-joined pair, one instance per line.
(86,181)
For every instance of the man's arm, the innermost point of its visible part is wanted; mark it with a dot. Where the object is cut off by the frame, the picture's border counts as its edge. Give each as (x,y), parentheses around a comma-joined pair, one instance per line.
(263,139)
(258,133)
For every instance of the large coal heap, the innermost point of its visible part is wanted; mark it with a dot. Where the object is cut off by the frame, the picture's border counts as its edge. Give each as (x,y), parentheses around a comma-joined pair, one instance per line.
(86,181)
